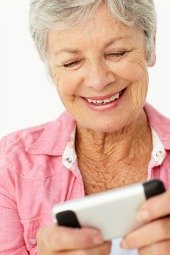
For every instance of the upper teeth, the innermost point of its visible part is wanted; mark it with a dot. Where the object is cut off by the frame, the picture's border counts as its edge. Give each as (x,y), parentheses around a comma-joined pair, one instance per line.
(104,101)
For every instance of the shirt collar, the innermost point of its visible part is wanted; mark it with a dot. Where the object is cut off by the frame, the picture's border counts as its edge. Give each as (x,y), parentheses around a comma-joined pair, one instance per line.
(160,124)
(69,156)
(54,136)
(57,137)
(158,151)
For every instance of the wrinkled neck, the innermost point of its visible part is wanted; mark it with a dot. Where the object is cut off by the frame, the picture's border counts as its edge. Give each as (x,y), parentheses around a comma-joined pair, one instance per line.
(122,143)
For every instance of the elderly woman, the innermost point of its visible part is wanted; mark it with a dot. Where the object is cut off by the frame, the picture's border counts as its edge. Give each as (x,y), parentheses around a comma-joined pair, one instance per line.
(97,53)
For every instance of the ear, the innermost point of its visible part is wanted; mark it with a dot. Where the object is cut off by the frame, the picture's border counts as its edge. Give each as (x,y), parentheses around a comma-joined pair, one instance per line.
(152,59)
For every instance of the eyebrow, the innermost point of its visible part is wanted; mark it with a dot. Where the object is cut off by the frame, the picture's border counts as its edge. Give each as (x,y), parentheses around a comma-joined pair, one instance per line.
(68,50)
(76,50)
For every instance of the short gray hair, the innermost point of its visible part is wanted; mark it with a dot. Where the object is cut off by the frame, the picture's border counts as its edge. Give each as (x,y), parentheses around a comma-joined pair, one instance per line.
(48,14)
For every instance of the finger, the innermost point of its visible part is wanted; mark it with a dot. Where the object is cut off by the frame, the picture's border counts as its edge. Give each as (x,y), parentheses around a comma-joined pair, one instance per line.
(103,249)
(161,248)
(153,232)
(63,238)
(155,207)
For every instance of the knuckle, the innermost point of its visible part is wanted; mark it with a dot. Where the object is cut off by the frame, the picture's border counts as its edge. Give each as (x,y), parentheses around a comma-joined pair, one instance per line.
(57,241)
(161,226)
(168,195)
(167,198)
(83,240)
(47,237)
(168,204)
(164,227)
(80,238)
(157,249)
(149,250)
(83,252)
(103,249)
(106,249)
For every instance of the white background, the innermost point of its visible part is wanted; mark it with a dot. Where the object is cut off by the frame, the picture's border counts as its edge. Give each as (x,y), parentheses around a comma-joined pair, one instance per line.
(28,98)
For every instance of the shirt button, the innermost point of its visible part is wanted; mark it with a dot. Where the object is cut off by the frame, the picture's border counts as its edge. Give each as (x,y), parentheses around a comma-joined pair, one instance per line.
(33,241)
(159,154)
(69,160)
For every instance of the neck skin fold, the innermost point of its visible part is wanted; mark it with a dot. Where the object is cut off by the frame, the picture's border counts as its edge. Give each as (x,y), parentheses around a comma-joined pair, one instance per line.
(123,144)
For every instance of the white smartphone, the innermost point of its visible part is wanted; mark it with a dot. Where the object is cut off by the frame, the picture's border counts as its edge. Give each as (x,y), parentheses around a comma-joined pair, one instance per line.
(113,211)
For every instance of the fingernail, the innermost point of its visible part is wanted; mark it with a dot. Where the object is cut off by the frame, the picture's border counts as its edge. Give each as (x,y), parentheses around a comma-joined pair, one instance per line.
(143,215)
(97,239)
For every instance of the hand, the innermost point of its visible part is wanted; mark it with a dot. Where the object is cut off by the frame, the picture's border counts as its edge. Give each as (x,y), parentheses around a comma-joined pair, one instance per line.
(154,237)
(56,240)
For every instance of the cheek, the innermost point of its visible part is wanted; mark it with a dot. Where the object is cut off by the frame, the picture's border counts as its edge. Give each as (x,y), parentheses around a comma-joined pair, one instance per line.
(139,87)
(67,83)
(136,73)
(133,71)
(139,74)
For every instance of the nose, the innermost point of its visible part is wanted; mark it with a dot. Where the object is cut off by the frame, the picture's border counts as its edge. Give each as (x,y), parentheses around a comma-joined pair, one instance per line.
(98,76)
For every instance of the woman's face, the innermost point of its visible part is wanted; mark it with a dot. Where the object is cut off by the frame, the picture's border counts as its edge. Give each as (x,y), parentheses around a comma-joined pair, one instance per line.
(100,71)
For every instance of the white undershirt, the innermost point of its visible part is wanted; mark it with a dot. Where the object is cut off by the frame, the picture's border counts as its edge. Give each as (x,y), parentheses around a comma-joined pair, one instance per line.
(116,250)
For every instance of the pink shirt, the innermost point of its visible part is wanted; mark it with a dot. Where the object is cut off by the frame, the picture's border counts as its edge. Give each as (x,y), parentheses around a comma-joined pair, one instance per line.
(38,169)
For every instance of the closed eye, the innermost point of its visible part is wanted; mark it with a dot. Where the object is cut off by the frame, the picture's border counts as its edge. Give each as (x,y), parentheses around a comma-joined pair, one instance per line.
(72,64)
(117,54)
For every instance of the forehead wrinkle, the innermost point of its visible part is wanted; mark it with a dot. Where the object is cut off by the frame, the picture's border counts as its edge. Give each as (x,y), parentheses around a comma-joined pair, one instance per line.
(68,50)
(93,34)
(110,42)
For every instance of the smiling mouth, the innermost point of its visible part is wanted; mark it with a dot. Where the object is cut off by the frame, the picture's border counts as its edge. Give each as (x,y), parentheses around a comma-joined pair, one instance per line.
(106,100)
